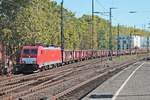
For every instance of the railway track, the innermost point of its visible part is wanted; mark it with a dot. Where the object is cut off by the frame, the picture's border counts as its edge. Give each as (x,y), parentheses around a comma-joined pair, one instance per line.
(18,78)
(9,86)
(80,90)
(31,85)
(60,95)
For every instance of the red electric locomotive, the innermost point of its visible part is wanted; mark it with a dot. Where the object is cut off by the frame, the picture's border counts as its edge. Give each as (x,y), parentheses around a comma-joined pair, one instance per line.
(35,58)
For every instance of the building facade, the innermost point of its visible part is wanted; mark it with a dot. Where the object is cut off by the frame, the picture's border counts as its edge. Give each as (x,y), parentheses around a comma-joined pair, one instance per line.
(127,42)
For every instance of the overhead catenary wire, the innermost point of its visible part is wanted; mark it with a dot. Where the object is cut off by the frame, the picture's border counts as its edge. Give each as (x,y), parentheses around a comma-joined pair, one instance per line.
(101,5)
(103,11)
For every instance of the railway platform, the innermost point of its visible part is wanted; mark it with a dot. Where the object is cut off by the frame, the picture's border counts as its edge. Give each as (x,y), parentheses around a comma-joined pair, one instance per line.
(133,83)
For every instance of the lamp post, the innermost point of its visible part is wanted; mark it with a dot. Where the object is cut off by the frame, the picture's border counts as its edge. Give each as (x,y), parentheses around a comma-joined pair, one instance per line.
(62,30)
(100,13)
(92,24)
(147,44)
(110,33)
(118,39)
(130,39)
(148,41)
(130,42)
(110,30)
(132,12)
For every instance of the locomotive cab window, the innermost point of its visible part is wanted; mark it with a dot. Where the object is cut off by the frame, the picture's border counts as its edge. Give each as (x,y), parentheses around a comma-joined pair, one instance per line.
(30,51)
(34,51)
(26,51)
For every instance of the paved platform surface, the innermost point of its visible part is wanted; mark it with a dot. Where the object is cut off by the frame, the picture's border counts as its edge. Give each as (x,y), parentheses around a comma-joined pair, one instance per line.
(132,83)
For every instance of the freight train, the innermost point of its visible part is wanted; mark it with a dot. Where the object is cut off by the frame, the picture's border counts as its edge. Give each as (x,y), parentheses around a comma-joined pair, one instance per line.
(35,58)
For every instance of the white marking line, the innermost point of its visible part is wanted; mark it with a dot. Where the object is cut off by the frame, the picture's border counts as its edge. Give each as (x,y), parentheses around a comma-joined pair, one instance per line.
(126,81)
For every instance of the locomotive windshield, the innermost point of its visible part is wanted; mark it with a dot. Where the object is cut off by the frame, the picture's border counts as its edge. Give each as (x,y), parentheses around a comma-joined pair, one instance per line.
(30,51)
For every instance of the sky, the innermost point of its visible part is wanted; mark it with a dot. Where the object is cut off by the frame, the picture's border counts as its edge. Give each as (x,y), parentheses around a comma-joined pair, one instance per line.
(121,15)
